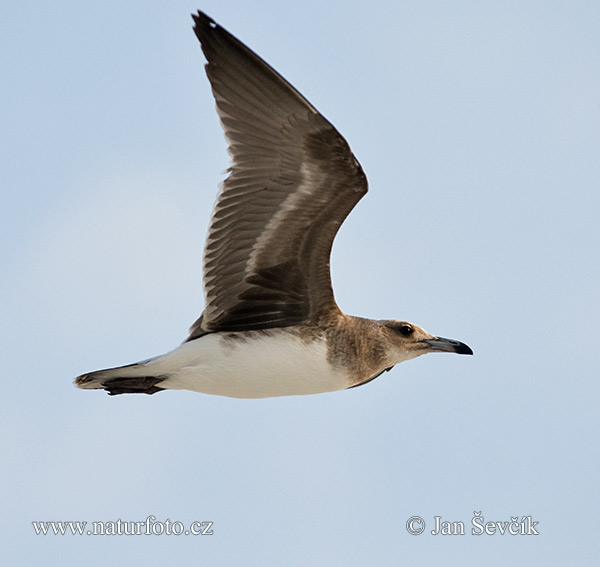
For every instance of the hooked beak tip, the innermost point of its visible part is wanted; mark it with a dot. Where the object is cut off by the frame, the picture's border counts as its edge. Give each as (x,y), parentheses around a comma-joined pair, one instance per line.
(463,349)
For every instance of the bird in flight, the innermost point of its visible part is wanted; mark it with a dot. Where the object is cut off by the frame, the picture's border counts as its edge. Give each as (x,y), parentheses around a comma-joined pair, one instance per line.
(271,326)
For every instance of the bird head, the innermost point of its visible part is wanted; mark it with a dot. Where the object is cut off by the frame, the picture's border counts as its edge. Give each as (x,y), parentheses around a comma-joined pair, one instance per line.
(410,340)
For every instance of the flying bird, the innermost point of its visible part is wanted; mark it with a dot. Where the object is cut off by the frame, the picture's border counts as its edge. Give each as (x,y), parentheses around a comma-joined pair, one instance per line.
(271,326)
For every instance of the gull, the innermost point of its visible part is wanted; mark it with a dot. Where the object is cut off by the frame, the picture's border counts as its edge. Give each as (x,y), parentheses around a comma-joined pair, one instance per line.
(271,326)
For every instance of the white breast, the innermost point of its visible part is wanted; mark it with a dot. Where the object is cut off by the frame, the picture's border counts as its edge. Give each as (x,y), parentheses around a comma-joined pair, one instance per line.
(261,365)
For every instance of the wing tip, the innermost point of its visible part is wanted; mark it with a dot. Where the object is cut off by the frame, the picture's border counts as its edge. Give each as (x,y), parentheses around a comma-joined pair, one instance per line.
(203,23)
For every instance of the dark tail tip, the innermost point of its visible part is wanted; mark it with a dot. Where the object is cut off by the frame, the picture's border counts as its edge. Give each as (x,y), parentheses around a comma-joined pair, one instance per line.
(134,385)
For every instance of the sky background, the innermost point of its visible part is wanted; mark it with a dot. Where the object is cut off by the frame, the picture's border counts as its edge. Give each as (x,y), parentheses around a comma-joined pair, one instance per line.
(478,126)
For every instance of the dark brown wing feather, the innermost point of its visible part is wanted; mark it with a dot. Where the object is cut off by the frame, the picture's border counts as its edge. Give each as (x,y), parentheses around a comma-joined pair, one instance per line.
(292,182)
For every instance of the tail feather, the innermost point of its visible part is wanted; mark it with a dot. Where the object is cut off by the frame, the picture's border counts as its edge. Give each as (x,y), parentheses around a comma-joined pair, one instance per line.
(122,380)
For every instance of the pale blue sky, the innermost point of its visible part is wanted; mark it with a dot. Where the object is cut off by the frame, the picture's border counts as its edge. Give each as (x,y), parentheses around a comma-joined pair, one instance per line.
(478,125)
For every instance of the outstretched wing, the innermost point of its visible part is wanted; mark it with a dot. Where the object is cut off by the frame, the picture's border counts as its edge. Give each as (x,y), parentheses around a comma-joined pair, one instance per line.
(292,182)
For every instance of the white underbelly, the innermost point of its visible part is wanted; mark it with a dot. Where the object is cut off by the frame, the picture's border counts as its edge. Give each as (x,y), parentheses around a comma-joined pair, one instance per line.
(262,366)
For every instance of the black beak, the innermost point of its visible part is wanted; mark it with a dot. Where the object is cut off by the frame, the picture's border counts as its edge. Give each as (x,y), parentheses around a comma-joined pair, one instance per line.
(440,344)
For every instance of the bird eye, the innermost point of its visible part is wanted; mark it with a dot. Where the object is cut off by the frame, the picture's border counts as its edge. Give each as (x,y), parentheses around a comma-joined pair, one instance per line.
(406,330)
